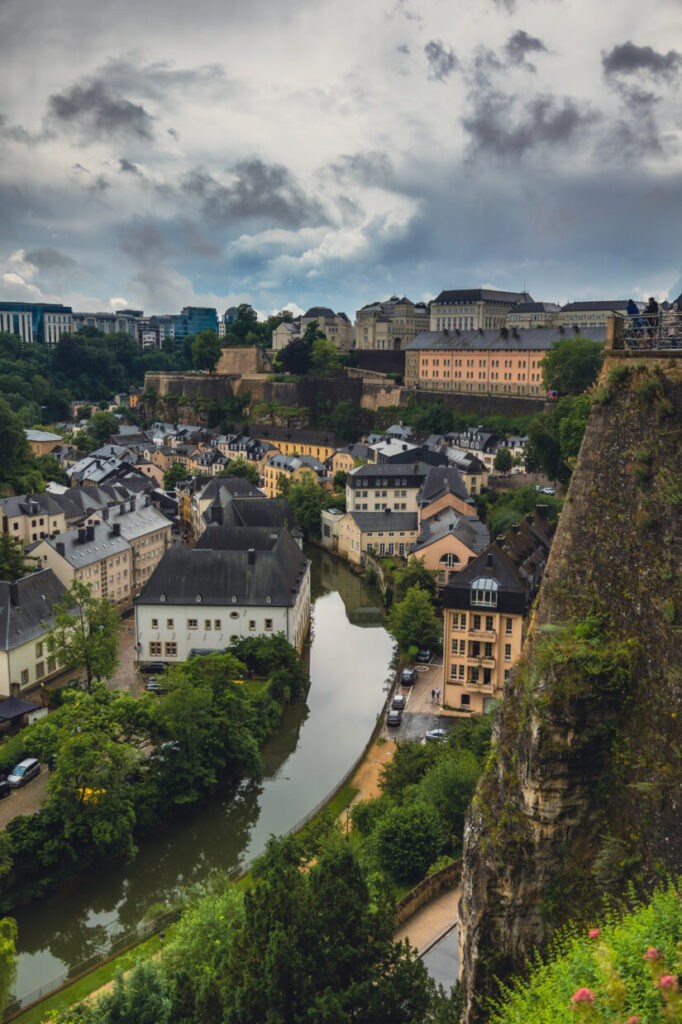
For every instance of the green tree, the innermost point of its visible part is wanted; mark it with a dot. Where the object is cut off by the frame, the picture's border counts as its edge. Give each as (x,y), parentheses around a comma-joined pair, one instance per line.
(245,323)
(8,958)
(101,426)
(448,787)
(206,350)
(244,468)
(174,475)
(141,998)
(295,357)
(14,563)
(415,574)
(572,429)
(324,356)
(85,633)
(503,461)
(407,840)
(413,622)
(307,499)
(572,364)
(340,480)
(15,453)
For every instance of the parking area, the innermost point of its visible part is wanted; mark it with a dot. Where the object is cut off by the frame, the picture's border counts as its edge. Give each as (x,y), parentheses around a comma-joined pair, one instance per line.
(26,800)
(422,709)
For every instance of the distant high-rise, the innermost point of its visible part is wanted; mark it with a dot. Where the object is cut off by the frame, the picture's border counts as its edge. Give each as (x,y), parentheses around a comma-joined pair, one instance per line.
(193,319)
(36,321)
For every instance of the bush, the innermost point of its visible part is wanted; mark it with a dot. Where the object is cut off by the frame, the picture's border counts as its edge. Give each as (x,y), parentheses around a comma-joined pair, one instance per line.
(407,840)
(619,968)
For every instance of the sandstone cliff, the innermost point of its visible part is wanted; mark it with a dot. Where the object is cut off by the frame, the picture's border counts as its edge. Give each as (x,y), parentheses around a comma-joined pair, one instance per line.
(583,791)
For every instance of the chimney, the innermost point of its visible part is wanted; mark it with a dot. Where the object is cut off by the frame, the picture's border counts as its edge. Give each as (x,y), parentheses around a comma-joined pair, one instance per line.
(131,505)
(122,508)
(516,527)
(116,530)
(252,556)
(387,511)
(147,499)
(105,514)
(504,332)
(14,594)
(61,550)
(91,532)
(404,447)
(82,533)
(489,560)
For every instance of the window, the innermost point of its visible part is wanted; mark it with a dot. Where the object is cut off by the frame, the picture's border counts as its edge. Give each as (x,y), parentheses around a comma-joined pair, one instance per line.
(218,624)
(154,648)
(40,670)
(506,674)
(461,673)
(268,624)
(476,623)
(24,677)
(453,671)
(462,646)
(51,664)
(489,623)
(462,622)
(171,649)
(252,625)
(155,623)
(507,652)
(484,592)
(207,624)
(192,623)
(39,650)
(170,624)
(508,627)
(488,648)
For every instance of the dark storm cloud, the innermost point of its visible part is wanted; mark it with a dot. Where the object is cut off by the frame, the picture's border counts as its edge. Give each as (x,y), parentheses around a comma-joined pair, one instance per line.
(519,45)
(17,133)
(258,191)
(544,120)
(144,240)
(630,59)
(128,167)
(509,5)
(372,168)
(99,111)
(50,260)
(441,61)
(155,80)
(403,48)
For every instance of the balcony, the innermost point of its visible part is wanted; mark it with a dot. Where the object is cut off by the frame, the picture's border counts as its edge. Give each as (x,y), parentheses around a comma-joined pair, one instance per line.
(481,662)
(486,687)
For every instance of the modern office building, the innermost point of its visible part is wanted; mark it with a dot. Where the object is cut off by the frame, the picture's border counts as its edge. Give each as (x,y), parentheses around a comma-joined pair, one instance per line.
(48,321)
(193,320)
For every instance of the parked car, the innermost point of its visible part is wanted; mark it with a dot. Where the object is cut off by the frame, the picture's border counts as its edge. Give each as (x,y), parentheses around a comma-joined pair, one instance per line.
(153,686)
(5,788)
(24,772)
(436,734)
(547,490)
(424,655)
(408,676)
(399,701)
(394,717)
(153,668)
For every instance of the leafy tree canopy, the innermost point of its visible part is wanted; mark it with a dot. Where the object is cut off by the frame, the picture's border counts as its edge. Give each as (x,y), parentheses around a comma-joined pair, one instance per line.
(415,574)
(13,562)
(503,461)
(85,633)
(413,622)
(206,350)
(173,476)
(572,364)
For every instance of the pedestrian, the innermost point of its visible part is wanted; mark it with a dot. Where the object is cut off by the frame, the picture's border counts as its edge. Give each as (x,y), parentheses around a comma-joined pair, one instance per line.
(433,696)
(651,314)
(438,694)
(162,936)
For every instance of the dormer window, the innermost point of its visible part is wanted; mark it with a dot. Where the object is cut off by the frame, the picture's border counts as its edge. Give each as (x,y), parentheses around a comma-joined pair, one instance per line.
(484,592)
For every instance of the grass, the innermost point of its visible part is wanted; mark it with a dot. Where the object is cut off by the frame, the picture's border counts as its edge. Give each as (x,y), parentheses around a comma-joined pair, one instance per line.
(83,987)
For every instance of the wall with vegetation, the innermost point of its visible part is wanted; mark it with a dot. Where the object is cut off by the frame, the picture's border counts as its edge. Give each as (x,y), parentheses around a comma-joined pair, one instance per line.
(583,789)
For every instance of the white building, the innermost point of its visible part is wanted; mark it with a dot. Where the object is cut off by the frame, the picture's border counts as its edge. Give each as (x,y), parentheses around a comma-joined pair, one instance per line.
(236,582)
(25,617)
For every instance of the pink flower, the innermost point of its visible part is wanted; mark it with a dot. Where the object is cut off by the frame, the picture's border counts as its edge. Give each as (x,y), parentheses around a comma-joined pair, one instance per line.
(583,995)
(668,981)
(594,933)
(634,1020)
(652,953)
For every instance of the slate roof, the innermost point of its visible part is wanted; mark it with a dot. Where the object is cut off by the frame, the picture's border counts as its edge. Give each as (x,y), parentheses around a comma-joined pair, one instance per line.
(536,307)
(143,519)
(587,307)
(465,460)
(41,435)
(387,519)
(316,311)
(412,472)
(218,576)
(36,596)
(104,544)
(440,481)
(238,538)
(21,505)
(262,512)
(468,529)
(481,295)
(507,339)
(225,487)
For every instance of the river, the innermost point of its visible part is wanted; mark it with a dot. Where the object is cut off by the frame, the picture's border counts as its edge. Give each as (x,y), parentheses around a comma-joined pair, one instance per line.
(350,658)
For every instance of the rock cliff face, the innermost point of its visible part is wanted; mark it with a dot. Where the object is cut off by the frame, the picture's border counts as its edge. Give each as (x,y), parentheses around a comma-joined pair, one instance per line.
(583,791)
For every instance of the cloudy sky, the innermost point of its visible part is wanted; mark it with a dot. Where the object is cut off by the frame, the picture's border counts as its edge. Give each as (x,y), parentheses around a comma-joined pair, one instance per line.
(159,153)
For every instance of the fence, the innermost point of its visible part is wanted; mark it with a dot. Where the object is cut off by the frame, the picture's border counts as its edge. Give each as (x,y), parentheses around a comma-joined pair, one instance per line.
(643,331)
(121,943)
(429,887)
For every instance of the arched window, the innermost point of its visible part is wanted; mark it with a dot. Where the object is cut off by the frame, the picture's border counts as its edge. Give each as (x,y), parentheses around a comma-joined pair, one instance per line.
(484,592)
(450,560)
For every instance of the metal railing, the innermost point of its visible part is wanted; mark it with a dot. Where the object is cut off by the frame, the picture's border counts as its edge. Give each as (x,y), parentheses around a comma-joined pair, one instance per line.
(662,330)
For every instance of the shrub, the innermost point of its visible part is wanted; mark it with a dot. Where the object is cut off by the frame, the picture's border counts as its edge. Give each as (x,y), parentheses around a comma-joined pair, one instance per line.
(407,840)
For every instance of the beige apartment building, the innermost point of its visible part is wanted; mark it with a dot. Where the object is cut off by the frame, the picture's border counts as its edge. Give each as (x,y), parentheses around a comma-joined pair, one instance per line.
(26,614)
(97,555)
(533,314)
(472,309)
(30,517)
(146,530)
(335,326)
(586,315)
(390,325)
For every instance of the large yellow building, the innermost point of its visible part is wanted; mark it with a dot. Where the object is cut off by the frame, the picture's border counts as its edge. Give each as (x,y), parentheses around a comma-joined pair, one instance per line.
(471,309)
(390,325)
(494,362)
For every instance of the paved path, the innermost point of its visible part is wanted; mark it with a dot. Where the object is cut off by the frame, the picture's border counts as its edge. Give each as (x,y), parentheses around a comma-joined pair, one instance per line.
(431,920)
(26,800)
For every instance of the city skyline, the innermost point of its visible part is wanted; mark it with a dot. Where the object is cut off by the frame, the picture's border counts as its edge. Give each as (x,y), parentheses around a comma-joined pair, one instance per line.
(328,154)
